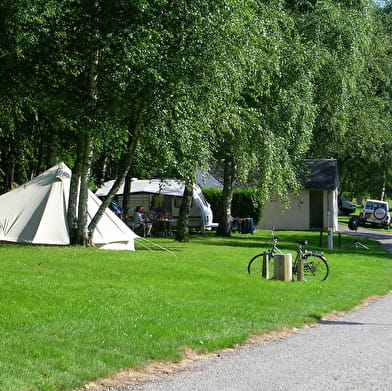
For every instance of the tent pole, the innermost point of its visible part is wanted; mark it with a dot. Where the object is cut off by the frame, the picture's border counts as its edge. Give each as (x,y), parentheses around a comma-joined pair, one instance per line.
(157,245)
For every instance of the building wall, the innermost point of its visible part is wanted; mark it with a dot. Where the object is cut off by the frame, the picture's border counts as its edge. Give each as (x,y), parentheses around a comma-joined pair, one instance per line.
(297,216)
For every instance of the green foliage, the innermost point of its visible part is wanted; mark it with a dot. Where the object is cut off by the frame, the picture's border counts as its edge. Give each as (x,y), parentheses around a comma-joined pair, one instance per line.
(214,198)
(246,203)
(343,35)
(71,315)
(255,84)
(365,160)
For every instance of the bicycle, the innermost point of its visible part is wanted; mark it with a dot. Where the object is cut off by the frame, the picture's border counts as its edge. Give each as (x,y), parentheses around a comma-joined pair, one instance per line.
(267,255)
(308,265)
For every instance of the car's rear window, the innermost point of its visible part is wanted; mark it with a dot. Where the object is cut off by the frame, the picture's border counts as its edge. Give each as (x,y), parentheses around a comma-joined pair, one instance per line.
(375,205)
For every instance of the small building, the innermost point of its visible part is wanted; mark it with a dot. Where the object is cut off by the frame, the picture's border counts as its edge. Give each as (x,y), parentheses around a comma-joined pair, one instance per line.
(314,208)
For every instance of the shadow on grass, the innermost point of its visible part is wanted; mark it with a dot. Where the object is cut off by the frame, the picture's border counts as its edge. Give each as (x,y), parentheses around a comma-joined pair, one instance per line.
(343,244)
(261,241)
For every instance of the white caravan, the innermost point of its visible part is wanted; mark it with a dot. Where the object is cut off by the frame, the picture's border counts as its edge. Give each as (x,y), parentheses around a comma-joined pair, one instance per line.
(166,194)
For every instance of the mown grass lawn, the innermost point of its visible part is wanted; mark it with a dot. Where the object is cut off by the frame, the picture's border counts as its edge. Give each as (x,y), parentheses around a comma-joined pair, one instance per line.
(70,315)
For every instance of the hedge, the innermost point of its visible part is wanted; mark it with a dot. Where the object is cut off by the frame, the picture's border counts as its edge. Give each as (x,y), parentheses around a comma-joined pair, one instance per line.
(245,203)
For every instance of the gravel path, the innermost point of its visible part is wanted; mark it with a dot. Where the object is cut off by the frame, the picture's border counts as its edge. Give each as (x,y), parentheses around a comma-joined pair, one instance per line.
(351,352)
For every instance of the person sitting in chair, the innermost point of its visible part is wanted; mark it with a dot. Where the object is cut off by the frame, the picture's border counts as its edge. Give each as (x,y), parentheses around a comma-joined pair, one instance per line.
(163,223)
(167,223)
(140,220)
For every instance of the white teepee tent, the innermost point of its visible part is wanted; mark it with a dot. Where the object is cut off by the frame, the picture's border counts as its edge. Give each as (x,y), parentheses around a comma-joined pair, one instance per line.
(36,212)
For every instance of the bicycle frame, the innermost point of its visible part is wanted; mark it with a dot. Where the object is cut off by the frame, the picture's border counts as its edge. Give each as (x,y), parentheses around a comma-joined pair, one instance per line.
(308,265)
(301,262)
(298,265)
(274,249)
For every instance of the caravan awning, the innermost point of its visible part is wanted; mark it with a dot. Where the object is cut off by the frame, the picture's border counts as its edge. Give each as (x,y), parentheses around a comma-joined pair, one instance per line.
(155,186)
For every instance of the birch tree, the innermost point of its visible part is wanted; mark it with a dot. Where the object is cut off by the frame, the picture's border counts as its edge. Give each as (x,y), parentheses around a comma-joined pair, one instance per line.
(268,123)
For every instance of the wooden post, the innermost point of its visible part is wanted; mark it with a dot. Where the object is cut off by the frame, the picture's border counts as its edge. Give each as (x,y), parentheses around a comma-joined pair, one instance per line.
(330,237)
(300,269)
(283,267)
(265,267)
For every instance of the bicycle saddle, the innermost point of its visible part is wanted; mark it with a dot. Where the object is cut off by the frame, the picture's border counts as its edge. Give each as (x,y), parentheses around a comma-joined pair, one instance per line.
(302,242)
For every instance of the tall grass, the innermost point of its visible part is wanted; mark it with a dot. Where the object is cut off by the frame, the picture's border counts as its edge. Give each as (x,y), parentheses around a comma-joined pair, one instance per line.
(70,315)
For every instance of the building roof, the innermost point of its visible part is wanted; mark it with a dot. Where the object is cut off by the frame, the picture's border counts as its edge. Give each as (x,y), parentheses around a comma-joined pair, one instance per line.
(206,180)
(321,174)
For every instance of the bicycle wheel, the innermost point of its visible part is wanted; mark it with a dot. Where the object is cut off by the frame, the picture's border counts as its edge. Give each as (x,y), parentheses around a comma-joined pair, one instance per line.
(316,268)
(256,265)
